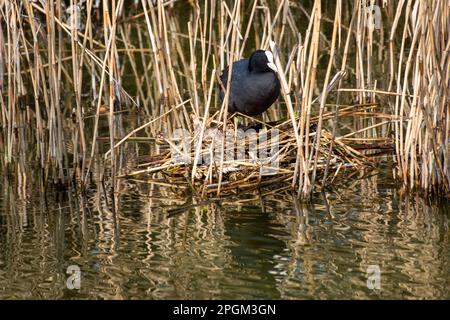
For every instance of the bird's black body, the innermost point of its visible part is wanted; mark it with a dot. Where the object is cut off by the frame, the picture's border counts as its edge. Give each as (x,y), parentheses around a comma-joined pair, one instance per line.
(254,86)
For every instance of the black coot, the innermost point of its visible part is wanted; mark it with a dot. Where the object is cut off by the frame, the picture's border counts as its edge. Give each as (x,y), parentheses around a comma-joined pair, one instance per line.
(254,84)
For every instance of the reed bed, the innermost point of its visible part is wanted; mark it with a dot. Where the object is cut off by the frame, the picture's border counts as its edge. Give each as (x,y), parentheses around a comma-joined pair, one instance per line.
(422,134)
(93,90)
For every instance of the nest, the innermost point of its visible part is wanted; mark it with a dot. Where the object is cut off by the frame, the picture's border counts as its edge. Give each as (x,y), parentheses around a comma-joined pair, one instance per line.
(218,160)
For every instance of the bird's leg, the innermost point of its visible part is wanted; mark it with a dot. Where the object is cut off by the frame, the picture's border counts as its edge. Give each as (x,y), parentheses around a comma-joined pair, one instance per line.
(253,123)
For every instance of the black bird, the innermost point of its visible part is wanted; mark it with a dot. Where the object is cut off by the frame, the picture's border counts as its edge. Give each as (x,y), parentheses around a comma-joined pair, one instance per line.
(254,84)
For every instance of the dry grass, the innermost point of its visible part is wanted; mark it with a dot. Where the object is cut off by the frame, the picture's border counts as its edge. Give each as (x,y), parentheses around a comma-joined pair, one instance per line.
(68,78)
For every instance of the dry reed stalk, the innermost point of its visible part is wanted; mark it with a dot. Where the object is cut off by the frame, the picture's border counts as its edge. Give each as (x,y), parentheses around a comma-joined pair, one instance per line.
(422,133)
(171,59)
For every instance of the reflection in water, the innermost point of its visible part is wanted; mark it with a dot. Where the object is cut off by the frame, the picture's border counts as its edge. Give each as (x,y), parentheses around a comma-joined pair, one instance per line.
(261,246)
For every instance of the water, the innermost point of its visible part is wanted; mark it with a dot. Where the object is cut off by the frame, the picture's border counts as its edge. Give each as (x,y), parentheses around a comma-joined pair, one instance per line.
(267,246)
(257,246)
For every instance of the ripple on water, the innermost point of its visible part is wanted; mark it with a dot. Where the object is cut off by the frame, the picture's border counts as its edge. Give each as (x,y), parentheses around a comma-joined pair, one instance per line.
(268,248)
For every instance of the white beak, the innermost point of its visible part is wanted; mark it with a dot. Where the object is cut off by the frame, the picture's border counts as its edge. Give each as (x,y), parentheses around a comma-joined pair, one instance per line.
(270,64)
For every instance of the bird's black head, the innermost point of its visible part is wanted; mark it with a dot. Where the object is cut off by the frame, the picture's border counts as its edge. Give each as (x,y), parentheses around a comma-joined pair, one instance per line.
(262,61)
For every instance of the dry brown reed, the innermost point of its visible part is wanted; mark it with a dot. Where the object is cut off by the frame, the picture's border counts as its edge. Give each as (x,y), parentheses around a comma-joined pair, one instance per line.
(71,72)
